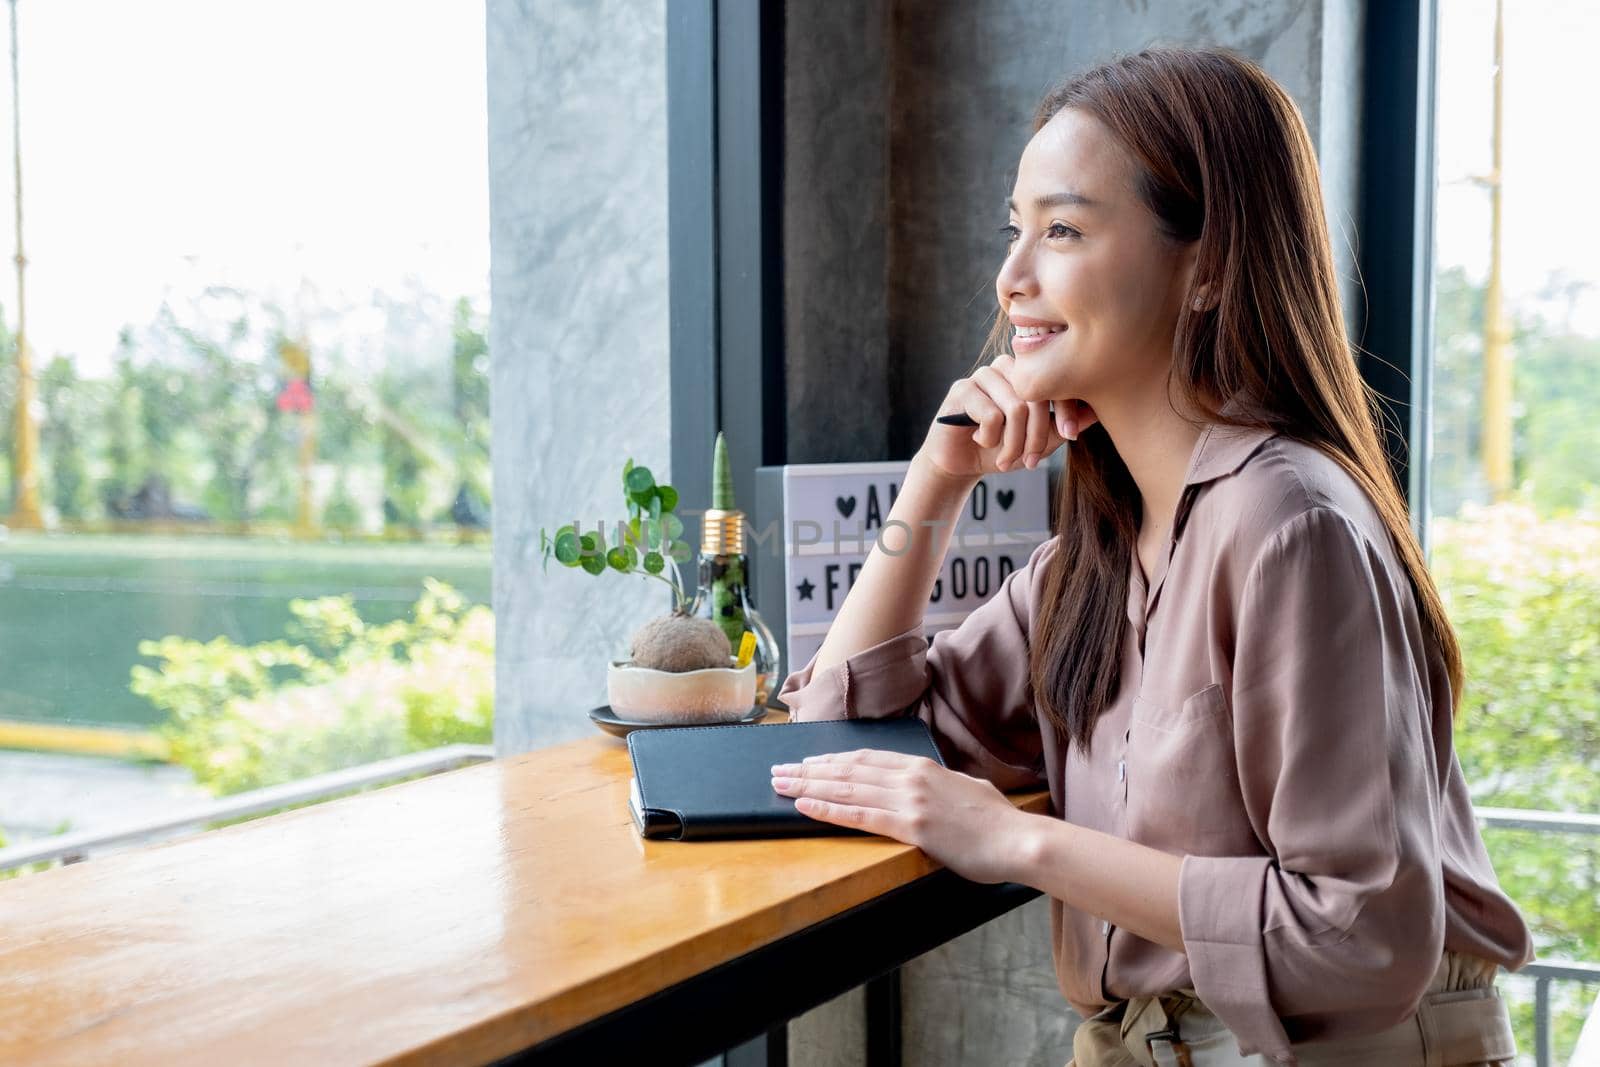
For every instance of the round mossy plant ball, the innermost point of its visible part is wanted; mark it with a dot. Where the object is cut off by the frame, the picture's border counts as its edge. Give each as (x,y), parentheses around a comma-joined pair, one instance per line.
(680,643)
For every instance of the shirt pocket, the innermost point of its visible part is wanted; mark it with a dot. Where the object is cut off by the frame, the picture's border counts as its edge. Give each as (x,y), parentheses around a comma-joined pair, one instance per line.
(1182,782)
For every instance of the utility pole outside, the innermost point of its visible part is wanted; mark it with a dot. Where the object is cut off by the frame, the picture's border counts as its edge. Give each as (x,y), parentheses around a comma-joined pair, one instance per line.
(1496,329)
(25,513)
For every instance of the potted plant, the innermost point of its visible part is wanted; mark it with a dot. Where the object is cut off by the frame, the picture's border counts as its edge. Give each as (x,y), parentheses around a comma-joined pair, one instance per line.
(680,668)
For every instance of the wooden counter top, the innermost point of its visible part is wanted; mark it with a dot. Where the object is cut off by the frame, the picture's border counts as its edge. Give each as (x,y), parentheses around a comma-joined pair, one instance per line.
(448,920)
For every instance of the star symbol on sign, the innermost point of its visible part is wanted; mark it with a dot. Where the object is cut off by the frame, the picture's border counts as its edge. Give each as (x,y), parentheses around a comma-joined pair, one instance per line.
(806,589)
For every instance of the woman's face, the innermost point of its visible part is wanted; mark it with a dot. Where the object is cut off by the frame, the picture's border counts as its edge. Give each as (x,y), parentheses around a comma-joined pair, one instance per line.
(1086,255)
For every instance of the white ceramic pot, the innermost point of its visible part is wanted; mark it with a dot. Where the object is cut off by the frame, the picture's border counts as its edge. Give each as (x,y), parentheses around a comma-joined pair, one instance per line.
(708,695)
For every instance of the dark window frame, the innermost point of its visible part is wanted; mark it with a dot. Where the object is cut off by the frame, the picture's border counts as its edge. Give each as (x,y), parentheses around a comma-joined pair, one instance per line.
(725,198)
(1395,227)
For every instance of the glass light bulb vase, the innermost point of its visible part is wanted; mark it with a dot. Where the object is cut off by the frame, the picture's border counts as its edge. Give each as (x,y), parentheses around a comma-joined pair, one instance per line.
(723,596)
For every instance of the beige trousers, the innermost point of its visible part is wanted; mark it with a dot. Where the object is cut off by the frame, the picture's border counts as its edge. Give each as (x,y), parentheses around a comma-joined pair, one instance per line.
(1461,1022)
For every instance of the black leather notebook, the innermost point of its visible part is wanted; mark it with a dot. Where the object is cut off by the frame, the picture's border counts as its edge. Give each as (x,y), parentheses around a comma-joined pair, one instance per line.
(709,782)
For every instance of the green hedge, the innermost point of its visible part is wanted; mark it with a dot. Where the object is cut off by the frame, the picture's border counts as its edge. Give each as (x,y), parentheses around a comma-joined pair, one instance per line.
(1524,593)
(337,692)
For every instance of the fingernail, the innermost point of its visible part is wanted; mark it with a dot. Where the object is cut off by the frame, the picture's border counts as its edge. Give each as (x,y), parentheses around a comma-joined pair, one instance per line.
(1031,459)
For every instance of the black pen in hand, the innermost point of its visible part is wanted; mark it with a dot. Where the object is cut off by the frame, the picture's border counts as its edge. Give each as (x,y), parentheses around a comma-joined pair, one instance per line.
(960,418)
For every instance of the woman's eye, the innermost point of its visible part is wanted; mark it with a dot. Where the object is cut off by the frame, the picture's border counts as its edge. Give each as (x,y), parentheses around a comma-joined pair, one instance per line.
(1058,230)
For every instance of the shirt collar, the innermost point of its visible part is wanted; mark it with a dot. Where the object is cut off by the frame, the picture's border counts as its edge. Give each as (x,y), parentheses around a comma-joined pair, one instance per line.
(1223,449)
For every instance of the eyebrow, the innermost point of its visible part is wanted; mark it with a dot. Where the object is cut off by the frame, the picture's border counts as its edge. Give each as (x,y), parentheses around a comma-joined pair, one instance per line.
(1055,200)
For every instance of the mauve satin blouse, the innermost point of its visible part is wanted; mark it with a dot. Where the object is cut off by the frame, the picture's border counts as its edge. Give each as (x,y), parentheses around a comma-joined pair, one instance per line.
(1278,724)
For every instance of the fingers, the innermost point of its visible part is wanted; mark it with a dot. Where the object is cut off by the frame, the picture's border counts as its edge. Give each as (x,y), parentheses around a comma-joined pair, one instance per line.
(880,821)
(991,419)
(861,794)
(1013,425)
(1012,431)
(870,768)
(1042,436)
(873,757)
(865,789)
(1086,416)
(1078,417)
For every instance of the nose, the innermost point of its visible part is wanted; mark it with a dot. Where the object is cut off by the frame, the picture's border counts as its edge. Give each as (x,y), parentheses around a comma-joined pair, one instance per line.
(1015,280)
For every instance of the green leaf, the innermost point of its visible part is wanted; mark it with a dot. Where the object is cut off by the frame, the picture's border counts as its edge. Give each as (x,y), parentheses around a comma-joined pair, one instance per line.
(568,548)
(639,480)
(672,526)
(620,558)
(669,497)
(655,505)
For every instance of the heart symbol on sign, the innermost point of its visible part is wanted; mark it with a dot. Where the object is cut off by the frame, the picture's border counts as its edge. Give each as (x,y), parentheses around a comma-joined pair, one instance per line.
(1005,497)
(845,504)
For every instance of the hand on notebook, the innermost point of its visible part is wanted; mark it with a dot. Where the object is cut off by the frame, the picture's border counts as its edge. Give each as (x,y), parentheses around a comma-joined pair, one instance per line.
(963,822)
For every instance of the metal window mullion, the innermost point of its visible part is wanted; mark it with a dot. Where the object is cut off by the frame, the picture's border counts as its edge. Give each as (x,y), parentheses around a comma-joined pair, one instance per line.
(692,246)
(1396,233)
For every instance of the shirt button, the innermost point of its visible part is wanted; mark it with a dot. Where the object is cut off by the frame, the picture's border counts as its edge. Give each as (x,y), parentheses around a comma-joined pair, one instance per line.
(1105,927)
(1122,769)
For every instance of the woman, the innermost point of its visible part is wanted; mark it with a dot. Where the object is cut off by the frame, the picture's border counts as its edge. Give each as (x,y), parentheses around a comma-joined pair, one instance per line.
(1229,664)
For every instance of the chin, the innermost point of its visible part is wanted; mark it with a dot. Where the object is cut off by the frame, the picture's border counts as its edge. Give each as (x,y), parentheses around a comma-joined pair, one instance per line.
(1027,386)
(1044,386)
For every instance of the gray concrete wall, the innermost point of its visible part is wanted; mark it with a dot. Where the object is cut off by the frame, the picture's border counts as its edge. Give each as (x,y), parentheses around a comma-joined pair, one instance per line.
(835,218)
(578,281)
(904,123)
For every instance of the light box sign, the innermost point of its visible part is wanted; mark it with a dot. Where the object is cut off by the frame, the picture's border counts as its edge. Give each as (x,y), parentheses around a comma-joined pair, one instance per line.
(851,501)
(818,584)
(820,522)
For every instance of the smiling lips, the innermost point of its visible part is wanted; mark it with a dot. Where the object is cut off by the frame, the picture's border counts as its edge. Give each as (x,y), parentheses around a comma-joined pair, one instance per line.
(1028,338)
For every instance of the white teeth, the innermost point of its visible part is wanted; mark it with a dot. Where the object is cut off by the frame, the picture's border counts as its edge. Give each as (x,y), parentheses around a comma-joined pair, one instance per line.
(1037,331)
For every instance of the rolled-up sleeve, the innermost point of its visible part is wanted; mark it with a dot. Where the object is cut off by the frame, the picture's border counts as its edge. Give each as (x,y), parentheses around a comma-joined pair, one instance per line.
(971,685)
(1344,917)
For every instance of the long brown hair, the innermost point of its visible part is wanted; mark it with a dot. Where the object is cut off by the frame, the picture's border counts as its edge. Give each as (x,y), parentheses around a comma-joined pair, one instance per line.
(1225,160)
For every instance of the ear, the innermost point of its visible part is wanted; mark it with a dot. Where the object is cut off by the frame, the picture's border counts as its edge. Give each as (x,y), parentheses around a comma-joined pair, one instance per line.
(1200,296)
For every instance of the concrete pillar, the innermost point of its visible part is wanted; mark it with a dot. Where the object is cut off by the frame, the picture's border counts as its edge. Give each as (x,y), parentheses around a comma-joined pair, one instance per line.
(578,279)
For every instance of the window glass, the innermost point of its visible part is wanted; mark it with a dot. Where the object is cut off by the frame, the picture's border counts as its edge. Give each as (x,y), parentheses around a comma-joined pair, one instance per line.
(1515,469)
(246,511)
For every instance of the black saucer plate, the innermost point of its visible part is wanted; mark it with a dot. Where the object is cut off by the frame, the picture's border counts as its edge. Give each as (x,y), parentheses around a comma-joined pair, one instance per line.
(608,721)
